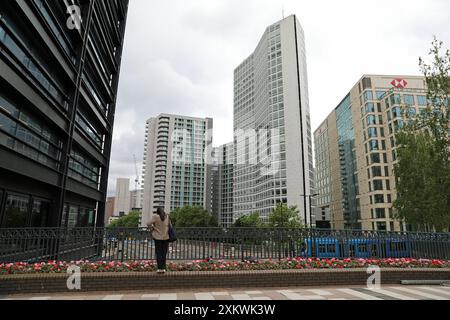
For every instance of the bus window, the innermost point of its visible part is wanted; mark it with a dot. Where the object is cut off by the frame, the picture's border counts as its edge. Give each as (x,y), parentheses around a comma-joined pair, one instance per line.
(331,248)
(363,248)
(322,248)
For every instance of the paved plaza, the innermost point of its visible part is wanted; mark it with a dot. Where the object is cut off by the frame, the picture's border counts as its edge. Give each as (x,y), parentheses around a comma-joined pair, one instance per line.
(323,293)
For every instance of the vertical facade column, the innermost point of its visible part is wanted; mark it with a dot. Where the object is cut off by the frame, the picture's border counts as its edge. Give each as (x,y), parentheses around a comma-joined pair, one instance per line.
(87,21)
(101,208)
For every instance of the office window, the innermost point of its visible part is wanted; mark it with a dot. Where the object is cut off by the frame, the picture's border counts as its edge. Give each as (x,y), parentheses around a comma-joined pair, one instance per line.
(396,112)
(7,125)
(376,172)
(31,66)
(371,120)
(375,157)
(380,94)
(16,211)
(380,213)
(64,216)
(40,213)
(374,145)
(379,198)
(381,226)
(368,95)
(90,130)
(370,107)
(84,169)
(72,220)
(389,198)
(422,101)
(388,105)
(31,137)
(409,99)
(373,132)
(86,218)
(378,185)
(53,26)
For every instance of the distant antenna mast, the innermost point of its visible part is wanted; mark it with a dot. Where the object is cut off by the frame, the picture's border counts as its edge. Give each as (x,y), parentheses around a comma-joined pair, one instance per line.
(283,11)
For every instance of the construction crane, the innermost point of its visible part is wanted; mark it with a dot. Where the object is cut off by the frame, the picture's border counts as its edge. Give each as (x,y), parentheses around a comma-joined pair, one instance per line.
(136,182)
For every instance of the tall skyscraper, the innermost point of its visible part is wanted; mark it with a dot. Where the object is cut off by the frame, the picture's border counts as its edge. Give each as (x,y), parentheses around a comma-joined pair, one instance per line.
(175,169)
(356,151)
(59,74)
(273,146)
(123,198)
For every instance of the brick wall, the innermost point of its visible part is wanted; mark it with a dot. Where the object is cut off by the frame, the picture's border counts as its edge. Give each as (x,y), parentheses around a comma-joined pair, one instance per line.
(91,282)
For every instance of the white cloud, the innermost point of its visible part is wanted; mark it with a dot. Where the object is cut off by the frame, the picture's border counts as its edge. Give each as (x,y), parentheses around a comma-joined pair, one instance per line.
(179,56)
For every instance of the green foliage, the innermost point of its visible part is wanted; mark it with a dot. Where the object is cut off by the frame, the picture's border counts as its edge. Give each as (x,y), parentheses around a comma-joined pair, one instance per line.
(285,217)
(249,221)
(129,221)
(192,217)
(423,168)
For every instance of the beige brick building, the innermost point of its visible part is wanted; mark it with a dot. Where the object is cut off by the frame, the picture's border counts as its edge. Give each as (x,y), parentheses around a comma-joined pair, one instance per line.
(355,151)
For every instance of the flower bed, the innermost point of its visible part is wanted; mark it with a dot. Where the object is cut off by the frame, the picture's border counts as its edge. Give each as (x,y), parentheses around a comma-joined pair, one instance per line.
(214,265)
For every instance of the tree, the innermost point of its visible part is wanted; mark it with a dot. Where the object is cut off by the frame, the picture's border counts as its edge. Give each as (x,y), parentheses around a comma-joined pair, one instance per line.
(249,221)
(192,217)
(129,221)
(423,168)
(285,217)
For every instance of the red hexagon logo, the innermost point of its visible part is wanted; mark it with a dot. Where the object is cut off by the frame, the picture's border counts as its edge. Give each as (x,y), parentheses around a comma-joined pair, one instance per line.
(399,83)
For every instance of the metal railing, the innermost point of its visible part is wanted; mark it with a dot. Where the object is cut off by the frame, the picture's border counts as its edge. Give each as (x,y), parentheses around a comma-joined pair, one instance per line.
(37,245)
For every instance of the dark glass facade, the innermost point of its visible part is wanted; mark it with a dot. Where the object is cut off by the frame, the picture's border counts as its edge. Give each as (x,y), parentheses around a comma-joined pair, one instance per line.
(347,155)
(58,89)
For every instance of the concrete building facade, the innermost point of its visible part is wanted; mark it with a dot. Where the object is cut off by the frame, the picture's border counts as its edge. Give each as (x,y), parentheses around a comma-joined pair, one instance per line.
(273,144)
(177,152)
(356,151)
(136,199)
(110,205)
(123,197)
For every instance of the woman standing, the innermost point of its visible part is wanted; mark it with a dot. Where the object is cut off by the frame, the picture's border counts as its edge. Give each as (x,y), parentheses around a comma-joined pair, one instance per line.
(159,223)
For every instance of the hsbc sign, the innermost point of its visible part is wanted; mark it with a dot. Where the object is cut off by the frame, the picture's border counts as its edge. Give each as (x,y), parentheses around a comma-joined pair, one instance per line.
(399,83)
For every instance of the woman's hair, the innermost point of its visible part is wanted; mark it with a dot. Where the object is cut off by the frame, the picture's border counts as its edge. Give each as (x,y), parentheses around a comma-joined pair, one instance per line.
(160,212)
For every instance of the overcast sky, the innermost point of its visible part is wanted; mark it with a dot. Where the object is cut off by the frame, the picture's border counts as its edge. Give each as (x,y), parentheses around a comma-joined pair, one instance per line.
(179,56)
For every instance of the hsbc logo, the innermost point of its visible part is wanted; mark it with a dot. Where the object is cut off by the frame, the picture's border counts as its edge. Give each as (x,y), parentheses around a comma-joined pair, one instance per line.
(399,83)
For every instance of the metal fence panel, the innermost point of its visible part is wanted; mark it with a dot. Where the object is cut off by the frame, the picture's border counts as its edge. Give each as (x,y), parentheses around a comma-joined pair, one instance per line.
(37,245)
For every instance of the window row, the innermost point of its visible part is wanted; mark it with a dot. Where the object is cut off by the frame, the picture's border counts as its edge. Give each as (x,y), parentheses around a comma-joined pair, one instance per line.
(83,169)
(77,217)
(17,48)
(23,211)
(25,134)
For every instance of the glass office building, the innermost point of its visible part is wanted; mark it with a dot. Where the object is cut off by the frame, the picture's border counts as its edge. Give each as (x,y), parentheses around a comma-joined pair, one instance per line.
(59,75)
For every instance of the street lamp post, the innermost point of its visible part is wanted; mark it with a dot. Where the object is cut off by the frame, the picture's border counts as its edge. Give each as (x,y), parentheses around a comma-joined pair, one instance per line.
(310,208)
